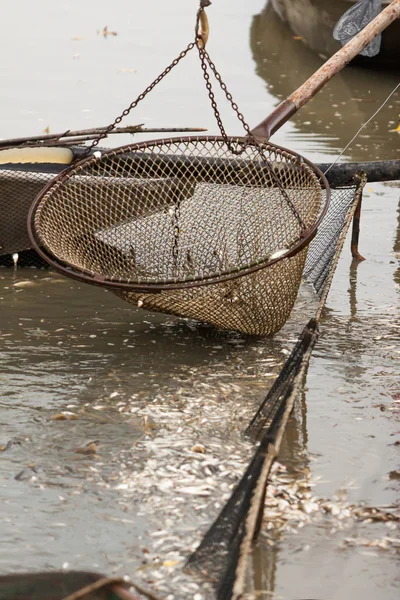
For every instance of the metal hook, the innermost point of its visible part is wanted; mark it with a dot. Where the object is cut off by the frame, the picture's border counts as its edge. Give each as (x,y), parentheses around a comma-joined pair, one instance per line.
(203,30)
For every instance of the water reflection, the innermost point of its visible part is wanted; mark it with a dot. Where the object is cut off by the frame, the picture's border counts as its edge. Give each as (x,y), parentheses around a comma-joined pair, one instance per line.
(294,455)
(329,120)
(353,287)
(396,247)
(314,21)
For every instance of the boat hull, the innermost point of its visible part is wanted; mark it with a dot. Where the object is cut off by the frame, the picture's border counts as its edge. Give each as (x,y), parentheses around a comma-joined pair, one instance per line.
(59,585)
(314,20)
(21,183)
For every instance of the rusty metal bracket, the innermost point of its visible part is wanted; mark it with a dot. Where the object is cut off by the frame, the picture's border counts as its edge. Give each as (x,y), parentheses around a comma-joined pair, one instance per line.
(355,233)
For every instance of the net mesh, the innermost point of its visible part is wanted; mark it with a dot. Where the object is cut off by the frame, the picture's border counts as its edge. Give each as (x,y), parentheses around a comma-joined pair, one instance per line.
(188,228)
(222,556)
(18,189)
(322,249)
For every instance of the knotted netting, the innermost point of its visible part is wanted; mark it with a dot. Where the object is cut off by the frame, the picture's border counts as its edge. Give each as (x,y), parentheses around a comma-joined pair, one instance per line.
(186,227)
(223,555)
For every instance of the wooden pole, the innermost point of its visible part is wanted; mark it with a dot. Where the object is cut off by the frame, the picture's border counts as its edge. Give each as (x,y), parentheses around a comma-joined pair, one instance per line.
(89,134)
(331,67)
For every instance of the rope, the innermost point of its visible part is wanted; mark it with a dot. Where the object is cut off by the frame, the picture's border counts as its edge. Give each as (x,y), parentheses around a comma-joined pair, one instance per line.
(362,127)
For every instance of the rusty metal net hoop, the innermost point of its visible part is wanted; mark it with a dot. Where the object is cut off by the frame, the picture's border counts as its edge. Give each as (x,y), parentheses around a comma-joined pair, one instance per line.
(175,215)
(177,212)
(184,226)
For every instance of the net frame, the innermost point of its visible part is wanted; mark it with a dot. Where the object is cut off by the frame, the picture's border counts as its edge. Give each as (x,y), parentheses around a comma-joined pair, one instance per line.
(129,285)
(252,223)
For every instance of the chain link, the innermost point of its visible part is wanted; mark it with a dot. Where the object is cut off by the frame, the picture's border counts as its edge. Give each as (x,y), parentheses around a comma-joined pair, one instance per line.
(205,59)
(227,93)
(236,148)
(133,104)
(250,139)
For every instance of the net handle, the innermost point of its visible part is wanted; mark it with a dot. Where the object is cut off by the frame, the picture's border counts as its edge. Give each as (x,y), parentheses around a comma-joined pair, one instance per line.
(329,69)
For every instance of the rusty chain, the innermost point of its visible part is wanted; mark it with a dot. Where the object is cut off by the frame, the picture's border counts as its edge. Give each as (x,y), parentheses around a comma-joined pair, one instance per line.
(133,104)
(241,143)
(250,139)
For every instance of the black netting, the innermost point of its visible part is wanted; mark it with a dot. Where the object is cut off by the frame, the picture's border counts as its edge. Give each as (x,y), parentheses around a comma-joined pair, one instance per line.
(222,556)
(282,386)
(323,247)
(19,185)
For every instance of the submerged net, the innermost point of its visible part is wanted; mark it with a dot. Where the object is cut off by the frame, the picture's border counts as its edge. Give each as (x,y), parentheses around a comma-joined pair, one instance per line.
(186,227)
(223,554)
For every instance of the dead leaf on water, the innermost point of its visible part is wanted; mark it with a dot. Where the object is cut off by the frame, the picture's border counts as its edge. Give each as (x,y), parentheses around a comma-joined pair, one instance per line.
(90,448)
(170,563)
(198,448)
(10,443)
(106,32)
(65,416)
(149,426)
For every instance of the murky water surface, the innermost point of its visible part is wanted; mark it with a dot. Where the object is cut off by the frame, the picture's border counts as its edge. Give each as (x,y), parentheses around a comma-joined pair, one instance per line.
(120,429)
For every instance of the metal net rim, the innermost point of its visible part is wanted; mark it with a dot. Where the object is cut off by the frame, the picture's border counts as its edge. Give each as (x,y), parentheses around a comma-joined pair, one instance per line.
(125,284)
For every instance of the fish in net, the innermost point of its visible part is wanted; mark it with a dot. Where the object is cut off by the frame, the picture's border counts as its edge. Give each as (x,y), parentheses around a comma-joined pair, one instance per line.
(222,240)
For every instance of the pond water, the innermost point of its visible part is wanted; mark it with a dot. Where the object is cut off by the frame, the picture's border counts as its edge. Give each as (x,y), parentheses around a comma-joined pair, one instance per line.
(121,429)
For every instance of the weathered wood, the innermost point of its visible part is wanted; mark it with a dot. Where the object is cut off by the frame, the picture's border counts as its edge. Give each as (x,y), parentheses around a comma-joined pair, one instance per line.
(339,60)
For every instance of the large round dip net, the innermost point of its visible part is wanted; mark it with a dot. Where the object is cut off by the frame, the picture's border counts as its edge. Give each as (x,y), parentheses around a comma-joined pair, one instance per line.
(186,227)
(210,228)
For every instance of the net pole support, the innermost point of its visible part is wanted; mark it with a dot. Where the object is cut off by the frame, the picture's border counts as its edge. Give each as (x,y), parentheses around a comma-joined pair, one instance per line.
(355,233)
